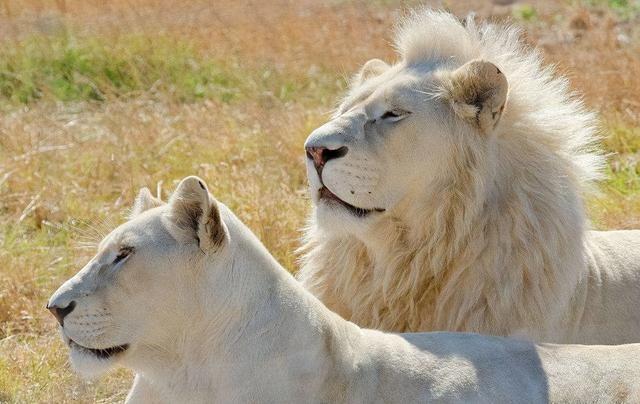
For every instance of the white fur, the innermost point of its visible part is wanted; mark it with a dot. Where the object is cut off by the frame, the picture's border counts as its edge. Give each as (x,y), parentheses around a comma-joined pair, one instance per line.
(483,228)
(226,323)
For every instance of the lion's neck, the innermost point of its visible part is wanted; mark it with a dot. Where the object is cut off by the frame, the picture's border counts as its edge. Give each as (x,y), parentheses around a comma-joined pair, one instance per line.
(481,253)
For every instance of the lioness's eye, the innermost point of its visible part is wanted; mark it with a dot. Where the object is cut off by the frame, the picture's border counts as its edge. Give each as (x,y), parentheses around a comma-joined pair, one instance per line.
(394,114)
(123,253)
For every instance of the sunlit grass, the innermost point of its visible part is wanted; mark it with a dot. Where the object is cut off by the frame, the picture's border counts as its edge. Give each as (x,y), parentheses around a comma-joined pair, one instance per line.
(91,115)
(66,68)
(625,9)
(618,203)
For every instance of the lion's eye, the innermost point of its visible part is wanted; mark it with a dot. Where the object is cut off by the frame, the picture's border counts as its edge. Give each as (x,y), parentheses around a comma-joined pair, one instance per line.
(394,115)
(122,254)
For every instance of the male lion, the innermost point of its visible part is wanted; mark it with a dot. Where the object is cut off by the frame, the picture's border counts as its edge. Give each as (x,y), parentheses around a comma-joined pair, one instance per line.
(448,196)
(185,295)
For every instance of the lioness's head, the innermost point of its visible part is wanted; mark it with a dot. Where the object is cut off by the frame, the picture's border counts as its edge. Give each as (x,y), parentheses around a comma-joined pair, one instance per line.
(134,294)
(402,127)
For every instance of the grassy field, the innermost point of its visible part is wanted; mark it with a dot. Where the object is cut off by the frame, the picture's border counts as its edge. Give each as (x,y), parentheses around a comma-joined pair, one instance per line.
(100,98)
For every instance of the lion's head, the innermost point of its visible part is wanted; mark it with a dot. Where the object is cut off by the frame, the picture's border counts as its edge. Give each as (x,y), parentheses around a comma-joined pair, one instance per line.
(136,293)
(398,132)
(438,172)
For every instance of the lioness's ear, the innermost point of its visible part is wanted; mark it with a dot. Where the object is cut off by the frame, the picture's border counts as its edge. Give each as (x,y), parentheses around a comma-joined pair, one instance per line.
(372,68)
(195,212)
(477,92)
(144,201)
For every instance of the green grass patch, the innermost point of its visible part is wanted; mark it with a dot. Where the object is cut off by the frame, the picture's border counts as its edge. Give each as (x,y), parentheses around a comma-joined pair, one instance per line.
(525,12)
(623,139)
(67,68)
(618,204)
(624,9)
(623,177)
(623,172)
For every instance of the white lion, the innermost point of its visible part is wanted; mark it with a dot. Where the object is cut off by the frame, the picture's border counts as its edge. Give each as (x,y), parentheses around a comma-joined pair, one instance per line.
(448,193)
(186,296)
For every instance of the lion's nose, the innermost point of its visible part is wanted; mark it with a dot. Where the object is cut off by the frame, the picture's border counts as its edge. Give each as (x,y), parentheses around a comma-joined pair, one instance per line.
(61,312)
(321,155)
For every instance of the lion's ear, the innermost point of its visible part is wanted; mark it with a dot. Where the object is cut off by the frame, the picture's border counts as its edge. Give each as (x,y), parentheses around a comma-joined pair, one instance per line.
(372,68)
(477,92)
(194,211)
(144,201)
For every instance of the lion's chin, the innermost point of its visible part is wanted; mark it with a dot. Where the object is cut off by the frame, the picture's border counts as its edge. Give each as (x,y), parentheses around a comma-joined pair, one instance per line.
(91,363)
(336,220)
(325,196)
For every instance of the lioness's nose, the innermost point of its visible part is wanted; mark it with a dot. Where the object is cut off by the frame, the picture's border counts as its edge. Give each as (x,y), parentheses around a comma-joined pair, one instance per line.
(321,155)
(61,312)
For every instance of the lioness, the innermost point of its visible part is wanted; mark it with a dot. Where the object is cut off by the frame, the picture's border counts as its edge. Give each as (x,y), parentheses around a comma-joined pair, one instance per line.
(448,196)
(184,294)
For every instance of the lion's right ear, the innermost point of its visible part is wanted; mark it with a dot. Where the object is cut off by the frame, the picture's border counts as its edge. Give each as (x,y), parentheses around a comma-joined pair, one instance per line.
(372,68)
(144,201)
(194,211)
(477,92)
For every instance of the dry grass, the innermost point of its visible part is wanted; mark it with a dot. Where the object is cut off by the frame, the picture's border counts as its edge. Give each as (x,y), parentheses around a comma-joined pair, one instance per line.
(75,149)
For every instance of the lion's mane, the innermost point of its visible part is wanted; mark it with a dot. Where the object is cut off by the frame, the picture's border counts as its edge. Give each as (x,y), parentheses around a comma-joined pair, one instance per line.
(497,247)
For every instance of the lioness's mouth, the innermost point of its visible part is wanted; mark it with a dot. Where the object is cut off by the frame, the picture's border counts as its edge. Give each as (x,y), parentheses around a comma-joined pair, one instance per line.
(329,197)
(104,353)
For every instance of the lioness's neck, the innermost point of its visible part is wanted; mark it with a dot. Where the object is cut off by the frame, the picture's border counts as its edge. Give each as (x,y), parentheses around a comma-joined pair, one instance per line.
(255,320)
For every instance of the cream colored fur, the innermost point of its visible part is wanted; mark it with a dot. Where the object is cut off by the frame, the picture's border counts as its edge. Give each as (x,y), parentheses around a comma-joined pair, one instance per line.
(210,317)
(480,170)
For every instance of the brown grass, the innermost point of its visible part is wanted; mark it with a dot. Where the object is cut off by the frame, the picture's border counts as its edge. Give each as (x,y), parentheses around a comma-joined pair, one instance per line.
(68,170)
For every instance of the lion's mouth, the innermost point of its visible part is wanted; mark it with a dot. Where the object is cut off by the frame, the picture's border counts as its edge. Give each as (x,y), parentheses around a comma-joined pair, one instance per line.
(104,353)
(326,195)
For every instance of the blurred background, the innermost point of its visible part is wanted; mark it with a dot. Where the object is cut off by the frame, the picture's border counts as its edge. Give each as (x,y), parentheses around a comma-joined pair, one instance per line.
(98,99)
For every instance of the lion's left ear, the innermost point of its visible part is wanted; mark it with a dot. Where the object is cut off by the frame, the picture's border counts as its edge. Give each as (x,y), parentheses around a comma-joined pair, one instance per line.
(372,68)
(477,92)
(144,201)
(194,211)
